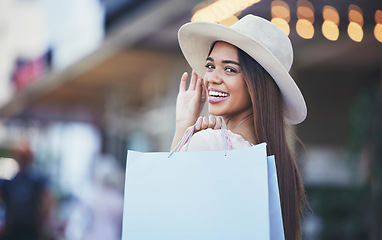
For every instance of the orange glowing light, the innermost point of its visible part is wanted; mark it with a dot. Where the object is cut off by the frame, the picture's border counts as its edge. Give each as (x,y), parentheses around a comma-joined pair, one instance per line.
(330,30)
(378,32)
(305,28)
(378,16)
(330,14)
(355,32)
(220,10)
(281,23)
(305,3)
(355,14)
(229,21)
(305,10)
(280,9)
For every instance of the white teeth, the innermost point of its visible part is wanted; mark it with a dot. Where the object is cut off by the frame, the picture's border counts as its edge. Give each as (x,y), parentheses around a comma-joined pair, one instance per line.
(217,94)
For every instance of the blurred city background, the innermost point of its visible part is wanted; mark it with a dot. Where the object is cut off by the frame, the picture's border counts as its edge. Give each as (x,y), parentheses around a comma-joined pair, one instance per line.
(83,81)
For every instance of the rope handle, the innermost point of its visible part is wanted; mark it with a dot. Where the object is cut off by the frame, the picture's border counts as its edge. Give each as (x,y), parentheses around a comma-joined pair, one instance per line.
(187,138)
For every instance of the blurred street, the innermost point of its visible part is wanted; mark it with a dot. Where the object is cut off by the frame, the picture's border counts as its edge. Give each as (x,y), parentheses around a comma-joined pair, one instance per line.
(85,81)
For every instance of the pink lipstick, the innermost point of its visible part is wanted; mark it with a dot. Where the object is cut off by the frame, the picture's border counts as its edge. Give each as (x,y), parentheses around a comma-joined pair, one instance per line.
(216,95)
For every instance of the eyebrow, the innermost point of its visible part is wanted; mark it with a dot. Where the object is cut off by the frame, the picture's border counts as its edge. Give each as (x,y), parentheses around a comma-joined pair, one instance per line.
(224,61)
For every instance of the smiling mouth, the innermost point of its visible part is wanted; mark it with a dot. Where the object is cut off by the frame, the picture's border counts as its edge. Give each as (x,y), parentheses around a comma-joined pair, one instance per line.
(217,96)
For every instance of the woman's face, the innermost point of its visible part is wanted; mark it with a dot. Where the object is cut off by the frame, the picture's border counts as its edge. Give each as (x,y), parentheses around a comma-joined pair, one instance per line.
(226,89)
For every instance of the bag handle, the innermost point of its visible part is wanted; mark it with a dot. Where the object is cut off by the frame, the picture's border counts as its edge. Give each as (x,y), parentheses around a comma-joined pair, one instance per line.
(187,138)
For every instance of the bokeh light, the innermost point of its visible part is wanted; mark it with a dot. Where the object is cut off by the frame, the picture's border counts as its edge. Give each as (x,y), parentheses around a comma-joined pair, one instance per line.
(281,15)
(305,15)
(330,26)
(330,30)
(281,23)
(280,9)
(8,168)
(378,32)
(355,14)
(229,21)
(355,32)
(305,10)
(378,16)
(305,28)
(378,26)
(331,14)
(220,10)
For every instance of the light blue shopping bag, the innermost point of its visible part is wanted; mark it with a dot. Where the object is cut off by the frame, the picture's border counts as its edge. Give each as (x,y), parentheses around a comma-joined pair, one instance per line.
(202,195)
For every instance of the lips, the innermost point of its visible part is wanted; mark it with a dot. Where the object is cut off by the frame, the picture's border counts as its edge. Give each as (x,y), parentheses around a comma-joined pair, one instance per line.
(216,95)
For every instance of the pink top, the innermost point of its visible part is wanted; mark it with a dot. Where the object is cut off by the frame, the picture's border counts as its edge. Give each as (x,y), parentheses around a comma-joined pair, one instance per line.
(213,140)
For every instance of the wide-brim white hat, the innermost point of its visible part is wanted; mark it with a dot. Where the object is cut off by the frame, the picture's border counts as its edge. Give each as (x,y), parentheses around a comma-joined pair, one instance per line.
(259,38)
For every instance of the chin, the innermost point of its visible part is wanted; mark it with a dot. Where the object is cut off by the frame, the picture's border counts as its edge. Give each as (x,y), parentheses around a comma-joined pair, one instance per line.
(215,111)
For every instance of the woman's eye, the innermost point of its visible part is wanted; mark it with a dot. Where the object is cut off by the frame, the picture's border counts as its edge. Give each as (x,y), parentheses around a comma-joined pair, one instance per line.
(209,66)
(230,70)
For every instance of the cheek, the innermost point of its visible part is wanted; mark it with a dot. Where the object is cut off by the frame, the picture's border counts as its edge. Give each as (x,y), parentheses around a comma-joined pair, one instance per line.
(205,81)
(242,93)
(247,96)
(239,87)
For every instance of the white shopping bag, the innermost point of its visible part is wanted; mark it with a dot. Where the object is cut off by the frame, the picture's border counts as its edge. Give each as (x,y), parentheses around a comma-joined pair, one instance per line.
(275,216)
(202,195)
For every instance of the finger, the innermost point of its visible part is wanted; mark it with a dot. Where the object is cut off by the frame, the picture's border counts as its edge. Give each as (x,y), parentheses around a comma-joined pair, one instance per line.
(219,123)
(211,121)
(205,123)
(198,124)
(199,88)
(193,80)
(204,92)
(183,80)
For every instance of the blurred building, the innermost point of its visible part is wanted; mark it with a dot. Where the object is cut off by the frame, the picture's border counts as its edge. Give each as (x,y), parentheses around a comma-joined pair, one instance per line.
(101,76)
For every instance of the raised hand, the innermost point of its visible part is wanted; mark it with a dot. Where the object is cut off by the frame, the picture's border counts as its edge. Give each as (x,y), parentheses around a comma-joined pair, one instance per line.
(189,103)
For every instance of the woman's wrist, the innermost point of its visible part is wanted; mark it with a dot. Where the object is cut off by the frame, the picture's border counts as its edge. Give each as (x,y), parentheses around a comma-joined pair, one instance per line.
(183,125)
(178,135)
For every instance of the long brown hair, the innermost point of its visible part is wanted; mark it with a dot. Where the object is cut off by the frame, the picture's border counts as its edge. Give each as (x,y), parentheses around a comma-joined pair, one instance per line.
(268,119)
(269,125)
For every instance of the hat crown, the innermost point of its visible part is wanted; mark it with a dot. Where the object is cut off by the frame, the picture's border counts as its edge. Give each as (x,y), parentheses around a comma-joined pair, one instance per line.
(269,35)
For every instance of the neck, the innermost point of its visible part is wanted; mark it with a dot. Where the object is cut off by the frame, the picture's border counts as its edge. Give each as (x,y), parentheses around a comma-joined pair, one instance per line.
(242,124)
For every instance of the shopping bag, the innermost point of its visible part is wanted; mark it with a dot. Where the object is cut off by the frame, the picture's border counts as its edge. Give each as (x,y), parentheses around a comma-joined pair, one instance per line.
(275,216)
(201,195)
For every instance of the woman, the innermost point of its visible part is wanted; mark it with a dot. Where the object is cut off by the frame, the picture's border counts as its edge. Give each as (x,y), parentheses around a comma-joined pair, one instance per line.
(246,81)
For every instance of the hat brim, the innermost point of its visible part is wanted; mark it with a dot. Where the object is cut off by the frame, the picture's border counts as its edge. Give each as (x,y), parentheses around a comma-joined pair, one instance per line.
(196,38)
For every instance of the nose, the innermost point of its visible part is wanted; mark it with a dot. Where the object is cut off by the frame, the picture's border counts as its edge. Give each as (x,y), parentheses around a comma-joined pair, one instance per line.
(213,78)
